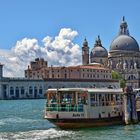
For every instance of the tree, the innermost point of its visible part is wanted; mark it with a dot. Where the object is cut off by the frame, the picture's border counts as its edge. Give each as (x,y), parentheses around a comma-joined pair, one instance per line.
(122,83)
(116,75)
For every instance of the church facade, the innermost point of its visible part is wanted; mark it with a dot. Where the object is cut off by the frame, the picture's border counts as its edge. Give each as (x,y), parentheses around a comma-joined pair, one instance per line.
(123,56)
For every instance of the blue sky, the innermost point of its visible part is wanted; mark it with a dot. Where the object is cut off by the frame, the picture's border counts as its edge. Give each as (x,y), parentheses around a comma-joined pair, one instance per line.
(39,18)
(55,29)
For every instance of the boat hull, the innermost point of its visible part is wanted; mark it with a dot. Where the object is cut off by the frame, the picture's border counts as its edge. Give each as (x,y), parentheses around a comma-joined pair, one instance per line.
(86,123)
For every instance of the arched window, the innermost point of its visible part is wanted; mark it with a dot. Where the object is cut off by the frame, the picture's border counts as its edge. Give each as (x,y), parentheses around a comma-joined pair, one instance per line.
(40,90)
(101,61)
(11,90)
(35,91)
(17,89)
(17,92)
(131,77)
(22,90)
(30,90)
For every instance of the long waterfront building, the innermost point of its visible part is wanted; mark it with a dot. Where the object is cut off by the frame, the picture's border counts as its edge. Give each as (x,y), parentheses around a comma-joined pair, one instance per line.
(35,87)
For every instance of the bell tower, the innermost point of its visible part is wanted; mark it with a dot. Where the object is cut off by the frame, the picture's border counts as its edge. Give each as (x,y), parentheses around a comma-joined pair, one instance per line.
(85,53)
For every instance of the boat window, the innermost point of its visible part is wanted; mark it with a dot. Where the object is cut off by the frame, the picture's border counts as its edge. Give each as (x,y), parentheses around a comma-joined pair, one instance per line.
(103,100)
(82,98)
(118,99)
(93,101)
(111,97)
(106,99)
(113,100)
(100,99)
(67,97)
(51,97)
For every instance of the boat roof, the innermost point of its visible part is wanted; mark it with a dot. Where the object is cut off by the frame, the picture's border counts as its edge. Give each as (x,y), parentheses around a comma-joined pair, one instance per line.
(89,90)
(136,89)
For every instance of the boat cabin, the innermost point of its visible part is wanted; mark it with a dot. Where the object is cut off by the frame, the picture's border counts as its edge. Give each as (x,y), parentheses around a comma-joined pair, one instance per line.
(76,99)
(66,100)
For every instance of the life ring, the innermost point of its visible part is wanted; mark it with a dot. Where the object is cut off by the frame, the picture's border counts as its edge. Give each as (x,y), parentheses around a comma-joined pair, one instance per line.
(50,95)
(84,94)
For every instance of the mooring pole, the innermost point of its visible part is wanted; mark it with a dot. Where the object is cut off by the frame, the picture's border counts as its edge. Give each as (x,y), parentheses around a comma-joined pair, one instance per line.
(133,108)
(130,114)
(127,108)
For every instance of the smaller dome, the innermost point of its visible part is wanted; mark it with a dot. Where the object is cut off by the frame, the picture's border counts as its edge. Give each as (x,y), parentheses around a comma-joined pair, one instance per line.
(98,50)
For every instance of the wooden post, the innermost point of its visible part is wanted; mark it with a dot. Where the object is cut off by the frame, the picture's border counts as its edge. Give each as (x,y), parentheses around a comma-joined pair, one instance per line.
(127,111)
(130,114)
(134,112)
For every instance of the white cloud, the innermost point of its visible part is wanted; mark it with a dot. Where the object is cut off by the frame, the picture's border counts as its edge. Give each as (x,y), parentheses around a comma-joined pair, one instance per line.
(58,51)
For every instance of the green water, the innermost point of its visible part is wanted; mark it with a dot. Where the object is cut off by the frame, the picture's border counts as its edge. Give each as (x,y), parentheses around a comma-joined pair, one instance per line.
(23,119)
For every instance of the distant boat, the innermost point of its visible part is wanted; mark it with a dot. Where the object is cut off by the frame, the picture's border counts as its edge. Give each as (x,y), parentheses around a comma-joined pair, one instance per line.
(70,108)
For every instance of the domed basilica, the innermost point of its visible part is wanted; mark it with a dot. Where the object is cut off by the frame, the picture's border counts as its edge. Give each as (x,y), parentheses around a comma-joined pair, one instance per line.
(123,56)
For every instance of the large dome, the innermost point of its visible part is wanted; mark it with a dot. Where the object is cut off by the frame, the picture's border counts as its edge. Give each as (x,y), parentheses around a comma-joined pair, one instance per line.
(124,43)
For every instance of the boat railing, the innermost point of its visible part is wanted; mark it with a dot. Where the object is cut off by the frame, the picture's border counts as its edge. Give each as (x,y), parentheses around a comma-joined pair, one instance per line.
(65,107)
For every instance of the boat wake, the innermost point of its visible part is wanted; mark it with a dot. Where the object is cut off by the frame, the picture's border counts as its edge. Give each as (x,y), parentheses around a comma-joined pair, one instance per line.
(17,124)
(15,120)
(51,133)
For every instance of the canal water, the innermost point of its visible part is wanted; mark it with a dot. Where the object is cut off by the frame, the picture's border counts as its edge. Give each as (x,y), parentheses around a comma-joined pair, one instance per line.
(23,119)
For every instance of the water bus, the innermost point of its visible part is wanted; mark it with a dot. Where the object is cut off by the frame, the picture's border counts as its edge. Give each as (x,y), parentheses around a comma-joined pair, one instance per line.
(82,107)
